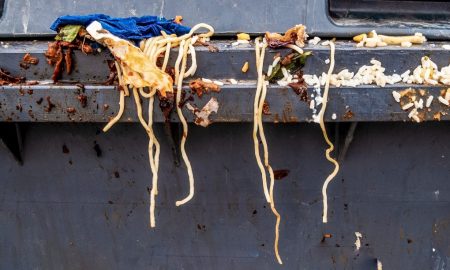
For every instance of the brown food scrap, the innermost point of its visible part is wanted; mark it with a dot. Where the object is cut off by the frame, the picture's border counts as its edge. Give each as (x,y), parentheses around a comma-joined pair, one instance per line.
(348,114)
(280,174)
(39,101)
(28,60)
(105,107)
(83,100)
(52,51)
(19,107)
(32,82)
(287,59)
(325,236)
(68,60)
(49,106)
(86,48)
(30,91)
(437,116)
(199,87)
(57,71)
(300,89)
(65,149)
(212,48)
(112,77)
(71,110)
(422,92)
(178,19)
(54,55)
(6,78)
(295,35)
(266,108)
(166,105)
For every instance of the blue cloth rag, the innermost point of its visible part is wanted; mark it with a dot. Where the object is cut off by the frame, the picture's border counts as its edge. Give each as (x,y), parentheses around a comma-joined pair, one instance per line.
(132,28)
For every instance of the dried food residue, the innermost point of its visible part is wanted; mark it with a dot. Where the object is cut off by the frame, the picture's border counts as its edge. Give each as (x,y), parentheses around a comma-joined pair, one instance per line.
(49,106)
(6,78)
(200,87)
(82,98)
(295,35)
(280,174)
(266,108)
(28,60)
(202,116)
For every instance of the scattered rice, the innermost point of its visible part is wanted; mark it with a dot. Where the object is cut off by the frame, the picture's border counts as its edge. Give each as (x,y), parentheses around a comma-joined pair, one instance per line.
(327,61)
(429,100)
(218,83)
(207,80)
(406,44)
(443,100)
(446,47)
(333,116)
(396,96)
(232,81)
(407,106)
(314,41)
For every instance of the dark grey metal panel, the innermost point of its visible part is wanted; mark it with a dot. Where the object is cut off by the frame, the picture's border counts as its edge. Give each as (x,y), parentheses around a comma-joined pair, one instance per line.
(368,103)
(80,211)
(31,18)
(227,63)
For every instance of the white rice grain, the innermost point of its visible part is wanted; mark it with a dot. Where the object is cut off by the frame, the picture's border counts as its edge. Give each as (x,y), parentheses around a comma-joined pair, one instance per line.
(428,102)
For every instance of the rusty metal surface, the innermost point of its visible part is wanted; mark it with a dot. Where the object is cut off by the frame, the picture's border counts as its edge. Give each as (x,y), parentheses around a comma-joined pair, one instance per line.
(75,210)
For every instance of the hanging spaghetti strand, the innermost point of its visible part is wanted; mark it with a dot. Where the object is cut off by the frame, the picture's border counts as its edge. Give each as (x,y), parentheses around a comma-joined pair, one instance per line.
(260,96)
(325,136)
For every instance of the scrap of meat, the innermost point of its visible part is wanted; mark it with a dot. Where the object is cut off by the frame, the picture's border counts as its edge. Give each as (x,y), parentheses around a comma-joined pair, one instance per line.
(54,55)
(28,60)
(112,77)
(200,87)
(6,78)
(295,35)
(202,116)
(68,59)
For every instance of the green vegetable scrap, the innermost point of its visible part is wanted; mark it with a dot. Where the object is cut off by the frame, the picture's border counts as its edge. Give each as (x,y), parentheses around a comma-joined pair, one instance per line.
(292,62)
(68,33)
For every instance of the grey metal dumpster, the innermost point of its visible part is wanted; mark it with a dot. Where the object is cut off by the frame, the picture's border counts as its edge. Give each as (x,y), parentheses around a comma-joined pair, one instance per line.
(73,197)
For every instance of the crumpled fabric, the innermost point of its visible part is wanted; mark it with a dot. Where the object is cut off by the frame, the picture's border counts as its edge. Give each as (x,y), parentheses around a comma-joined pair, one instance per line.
(132,28)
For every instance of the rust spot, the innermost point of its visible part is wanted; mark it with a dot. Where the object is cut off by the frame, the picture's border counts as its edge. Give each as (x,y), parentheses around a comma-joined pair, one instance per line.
(348,114)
